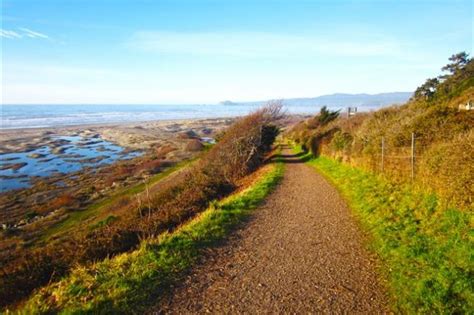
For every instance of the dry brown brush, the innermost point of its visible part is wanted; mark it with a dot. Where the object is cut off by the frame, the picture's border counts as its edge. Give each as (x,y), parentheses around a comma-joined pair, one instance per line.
(240,151)
(443,151)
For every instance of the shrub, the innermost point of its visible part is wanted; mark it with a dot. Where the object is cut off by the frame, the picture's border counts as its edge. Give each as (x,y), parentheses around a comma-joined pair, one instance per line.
(162,151)
(449,167)
(62,201)
(187,135)
(341,141)
(443,136)
(194,145)
(30,215)
(240,150)
(152,166)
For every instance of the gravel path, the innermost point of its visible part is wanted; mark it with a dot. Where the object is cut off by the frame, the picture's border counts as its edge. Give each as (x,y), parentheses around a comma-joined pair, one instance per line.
(302,252)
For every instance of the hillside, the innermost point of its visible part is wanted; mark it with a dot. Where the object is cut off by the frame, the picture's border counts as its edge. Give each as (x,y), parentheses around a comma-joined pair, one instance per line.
(341,100)
(341,215)
(431,121)
(142,211)
(408,172)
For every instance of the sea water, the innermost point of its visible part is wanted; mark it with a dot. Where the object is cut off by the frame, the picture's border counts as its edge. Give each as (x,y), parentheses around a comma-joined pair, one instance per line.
(35,116)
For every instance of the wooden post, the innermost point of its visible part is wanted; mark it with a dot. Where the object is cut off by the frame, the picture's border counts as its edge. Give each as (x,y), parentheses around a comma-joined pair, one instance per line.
(383,152)
(412,156)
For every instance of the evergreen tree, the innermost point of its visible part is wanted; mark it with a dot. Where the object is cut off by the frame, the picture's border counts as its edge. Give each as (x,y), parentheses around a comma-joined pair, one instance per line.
(458,61)
(428,89)
(326,115)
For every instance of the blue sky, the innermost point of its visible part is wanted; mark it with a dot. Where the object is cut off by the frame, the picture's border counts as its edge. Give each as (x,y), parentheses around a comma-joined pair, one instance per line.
(177,51)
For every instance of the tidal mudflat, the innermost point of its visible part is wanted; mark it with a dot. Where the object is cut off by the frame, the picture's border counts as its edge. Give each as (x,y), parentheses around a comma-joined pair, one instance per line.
(48,174)
(59,155)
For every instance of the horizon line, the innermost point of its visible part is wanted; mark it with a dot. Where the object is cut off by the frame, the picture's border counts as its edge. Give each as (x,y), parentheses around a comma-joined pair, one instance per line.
(212,103)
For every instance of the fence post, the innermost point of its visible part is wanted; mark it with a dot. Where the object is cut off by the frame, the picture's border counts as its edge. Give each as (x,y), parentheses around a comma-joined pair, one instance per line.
(412,156)
(383,152)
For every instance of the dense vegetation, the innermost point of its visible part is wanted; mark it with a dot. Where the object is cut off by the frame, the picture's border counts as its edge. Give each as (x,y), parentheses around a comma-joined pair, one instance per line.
(444,136)
(421,226)
(240,151)
(129,282)
(426,248)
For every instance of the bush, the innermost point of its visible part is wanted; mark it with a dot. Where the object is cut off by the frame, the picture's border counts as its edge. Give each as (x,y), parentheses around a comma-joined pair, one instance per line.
(62,201)
(443,136)
(194,145)
(163,151)
(341,141)
(241,150)
(449,167)
(187,135)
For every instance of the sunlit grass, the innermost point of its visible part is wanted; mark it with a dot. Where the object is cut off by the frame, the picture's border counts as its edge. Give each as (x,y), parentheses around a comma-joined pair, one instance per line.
(427,250)
(129,282)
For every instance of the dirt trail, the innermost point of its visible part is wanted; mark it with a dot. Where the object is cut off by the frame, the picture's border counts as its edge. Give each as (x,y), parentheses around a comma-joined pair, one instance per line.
(301,252)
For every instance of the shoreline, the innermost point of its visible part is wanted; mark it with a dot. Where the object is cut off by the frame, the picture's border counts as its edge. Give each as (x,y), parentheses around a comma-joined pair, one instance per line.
(161,144)
(112,124)
(140,135)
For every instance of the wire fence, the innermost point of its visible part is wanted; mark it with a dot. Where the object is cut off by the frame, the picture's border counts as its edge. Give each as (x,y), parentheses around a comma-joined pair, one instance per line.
(401,161)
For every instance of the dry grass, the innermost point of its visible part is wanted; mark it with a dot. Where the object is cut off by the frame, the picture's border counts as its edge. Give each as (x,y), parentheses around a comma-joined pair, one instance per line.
(443,140)
(240,151)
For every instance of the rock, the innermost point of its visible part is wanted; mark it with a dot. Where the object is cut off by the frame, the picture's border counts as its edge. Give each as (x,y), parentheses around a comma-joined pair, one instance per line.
(59,150)
(36,155)
(14,167)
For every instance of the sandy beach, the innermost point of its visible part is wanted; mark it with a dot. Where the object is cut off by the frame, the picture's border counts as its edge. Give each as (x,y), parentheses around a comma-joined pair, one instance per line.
(138,135)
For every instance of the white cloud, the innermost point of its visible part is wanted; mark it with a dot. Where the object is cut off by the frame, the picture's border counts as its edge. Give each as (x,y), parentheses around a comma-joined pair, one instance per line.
(24,32)
(259,44)
(9,34)
(33,34)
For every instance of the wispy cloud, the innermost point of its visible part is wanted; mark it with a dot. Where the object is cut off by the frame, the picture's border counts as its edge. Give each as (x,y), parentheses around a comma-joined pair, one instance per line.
(9,34)
(22,33)
(33,34)
(257,44)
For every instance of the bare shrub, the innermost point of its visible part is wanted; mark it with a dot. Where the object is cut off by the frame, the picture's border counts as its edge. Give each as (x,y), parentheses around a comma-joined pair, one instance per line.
(240,150)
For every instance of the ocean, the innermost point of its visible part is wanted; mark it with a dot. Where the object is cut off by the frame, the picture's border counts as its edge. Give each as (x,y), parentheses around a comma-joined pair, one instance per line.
(36,116)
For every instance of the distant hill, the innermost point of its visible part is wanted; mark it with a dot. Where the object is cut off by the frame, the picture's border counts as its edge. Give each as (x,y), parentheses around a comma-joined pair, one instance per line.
(341,100)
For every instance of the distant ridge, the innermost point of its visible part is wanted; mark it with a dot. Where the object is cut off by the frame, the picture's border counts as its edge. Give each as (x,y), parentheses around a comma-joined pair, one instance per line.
(340,100)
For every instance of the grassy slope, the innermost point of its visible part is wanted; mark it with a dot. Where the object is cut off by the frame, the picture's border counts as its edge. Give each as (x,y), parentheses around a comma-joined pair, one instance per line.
(427,251)
(94,209)
(128,282)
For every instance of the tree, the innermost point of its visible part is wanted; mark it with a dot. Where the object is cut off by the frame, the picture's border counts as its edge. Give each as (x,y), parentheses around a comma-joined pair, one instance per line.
(458,61)
(326,116)
(428,89)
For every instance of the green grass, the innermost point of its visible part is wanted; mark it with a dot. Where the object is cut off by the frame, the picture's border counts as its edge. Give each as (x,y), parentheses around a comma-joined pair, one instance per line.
(78,216)
(427,250)
(128,283)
